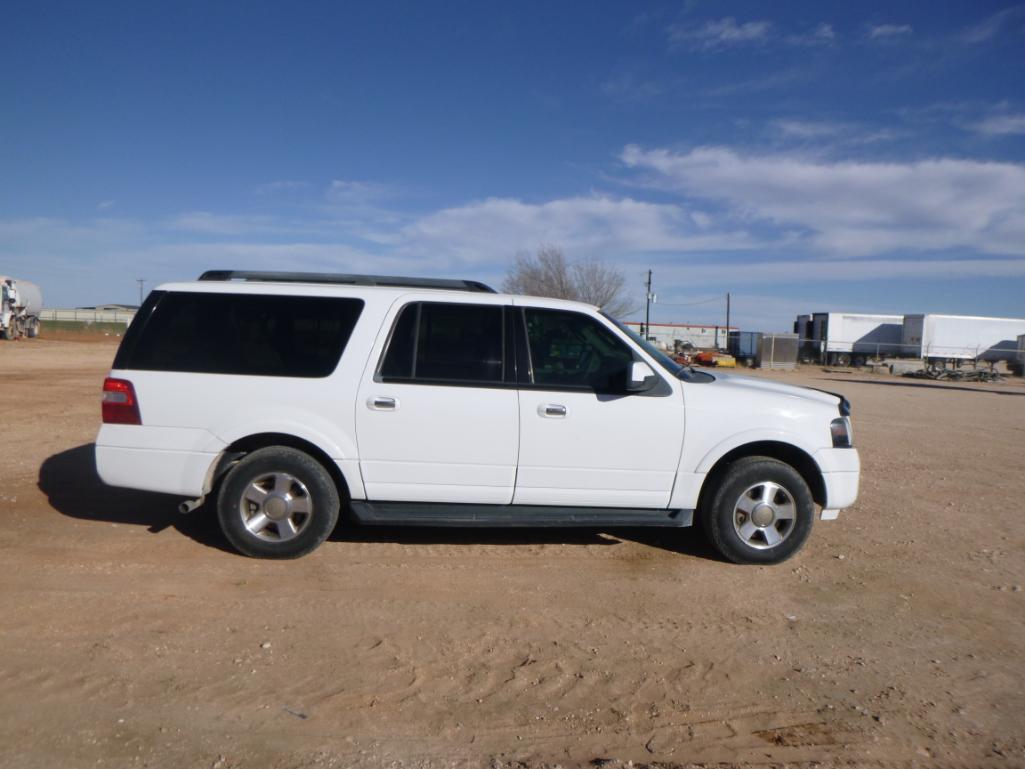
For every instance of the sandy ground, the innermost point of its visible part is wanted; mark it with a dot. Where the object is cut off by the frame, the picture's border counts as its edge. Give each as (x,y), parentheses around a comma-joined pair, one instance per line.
(131,636)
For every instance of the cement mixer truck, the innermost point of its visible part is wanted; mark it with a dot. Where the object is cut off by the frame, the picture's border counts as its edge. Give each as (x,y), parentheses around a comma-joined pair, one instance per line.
(20,305)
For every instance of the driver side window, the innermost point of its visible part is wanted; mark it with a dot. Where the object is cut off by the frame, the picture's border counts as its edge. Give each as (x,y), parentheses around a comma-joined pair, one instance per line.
(568,349)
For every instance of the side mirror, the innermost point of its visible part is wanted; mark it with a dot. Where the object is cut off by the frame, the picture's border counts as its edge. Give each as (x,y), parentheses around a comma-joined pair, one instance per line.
(640,377)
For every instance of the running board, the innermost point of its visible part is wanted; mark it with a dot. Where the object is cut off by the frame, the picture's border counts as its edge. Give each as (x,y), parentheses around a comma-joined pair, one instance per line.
(443,514)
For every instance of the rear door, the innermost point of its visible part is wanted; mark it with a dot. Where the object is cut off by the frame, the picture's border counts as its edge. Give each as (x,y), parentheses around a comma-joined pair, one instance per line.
(583,440)
(437,418)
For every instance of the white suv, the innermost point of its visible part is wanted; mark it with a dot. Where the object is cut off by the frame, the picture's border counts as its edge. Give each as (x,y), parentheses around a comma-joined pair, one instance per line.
(440,403)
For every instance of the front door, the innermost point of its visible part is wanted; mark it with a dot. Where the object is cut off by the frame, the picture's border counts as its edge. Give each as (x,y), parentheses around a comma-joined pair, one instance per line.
(583,440)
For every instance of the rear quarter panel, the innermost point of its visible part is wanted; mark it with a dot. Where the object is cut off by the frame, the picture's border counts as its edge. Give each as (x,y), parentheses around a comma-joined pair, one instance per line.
(213,411)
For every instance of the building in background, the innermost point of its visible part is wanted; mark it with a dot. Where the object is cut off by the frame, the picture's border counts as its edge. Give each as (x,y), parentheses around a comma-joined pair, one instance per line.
(669,336)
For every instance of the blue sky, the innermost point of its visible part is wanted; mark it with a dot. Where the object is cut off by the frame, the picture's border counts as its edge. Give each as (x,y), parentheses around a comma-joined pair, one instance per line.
(802,156)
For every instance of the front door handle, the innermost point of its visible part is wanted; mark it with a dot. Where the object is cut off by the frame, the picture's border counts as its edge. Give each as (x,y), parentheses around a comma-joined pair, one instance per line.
(382,403)
(556,410)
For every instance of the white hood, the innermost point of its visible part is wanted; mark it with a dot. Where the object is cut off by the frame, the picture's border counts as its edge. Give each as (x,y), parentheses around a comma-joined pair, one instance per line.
(741,383)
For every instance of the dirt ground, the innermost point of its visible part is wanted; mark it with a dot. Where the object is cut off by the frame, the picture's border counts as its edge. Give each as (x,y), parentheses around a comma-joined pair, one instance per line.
(131,636)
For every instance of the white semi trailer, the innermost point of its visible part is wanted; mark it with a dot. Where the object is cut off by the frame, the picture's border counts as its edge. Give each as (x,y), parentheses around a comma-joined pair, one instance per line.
(848,337)
(20,304)
(961,337)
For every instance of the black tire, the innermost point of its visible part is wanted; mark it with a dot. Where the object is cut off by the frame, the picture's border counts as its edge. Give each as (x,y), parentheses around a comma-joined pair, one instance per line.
(304,514)
(747,483)
(33,330)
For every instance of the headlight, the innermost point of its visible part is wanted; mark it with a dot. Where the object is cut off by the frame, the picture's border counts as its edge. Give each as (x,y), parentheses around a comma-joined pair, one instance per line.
(840,428)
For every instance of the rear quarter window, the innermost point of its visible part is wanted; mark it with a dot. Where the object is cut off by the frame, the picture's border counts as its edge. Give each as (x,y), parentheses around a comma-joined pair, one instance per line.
(241,334)
(439,342)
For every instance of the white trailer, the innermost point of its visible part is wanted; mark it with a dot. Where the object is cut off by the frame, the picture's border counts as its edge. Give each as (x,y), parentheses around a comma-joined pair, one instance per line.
(961,337)
(20,304)
(845,337)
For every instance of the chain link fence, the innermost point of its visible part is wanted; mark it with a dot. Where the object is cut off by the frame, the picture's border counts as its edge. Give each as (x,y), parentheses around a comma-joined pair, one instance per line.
(855,352)
(88,316)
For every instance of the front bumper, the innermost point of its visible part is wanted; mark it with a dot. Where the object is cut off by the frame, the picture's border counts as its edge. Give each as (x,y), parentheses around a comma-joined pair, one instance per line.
(841,472)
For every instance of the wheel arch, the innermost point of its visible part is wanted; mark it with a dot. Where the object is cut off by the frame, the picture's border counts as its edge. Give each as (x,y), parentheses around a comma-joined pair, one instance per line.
(250,443)
(788,453)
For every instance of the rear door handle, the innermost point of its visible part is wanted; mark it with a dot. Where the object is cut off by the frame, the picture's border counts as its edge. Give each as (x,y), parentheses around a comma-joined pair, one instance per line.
(556,410)
(382,403)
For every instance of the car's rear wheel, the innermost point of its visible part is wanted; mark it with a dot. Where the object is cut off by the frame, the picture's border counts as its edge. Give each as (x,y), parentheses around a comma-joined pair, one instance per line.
(761,512)
(277,502)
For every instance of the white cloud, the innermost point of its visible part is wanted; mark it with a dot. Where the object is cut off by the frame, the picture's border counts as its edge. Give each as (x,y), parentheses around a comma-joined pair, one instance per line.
(496,228)
(1001,125)
(819,271)
(788,287)
(630,89)
(105,205)
(221,224)
(342,191)
(720,33)
(715,206)
(807,129)
(834,133)
(360,209)
(297,255)
(285,185)
(889,31)
(823,34)
(989,27)
(855,208)
(769,82)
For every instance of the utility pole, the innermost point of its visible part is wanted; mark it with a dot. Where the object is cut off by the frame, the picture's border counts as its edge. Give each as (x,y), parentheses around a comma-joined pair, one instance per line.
(141,282)
(727,319)
(647,309)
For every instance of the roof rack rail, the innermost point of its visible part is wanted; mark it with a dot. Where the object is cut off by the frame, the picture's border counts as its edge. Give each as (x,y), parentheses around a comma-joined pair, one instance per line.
(352,280)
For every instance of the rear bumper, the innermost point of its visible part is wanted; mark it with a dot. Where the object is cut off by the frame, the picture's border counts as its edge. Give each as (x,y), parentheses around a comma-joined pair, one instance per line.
(171,472)
(125,457)
(841,473)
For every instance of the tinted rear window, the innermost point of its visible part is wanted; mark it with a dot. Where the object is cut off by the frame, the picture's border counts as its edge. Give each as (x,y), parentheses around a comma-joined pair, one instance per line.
(246,334)
(441,342)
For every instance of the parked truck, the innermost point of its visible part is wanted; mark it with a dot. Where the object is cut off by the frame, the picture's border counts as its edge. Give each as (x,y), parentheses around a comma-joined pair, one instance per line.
(961,337)
(842,338)
(20,304)
(743,345)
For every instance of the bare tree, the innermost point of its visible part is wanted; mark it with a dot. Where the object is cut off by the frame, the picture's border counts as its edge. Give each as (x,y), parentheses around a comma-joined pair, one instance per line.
(548,273)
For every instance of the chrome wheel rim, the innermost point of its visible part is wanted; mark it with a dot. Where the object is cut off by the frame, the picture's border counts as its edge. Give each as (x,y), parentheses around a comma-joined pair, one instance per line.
(276,507)
(764,515)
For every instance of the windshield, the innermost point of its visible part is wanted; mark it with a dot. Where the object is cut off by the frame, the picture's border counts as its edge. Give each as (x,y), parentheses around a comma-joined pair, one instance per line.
(686,373)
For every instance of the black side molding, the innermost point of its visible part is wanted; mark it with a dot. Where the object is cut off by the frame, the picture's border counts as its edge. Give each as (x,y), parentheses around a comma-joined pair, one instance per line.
(520,516)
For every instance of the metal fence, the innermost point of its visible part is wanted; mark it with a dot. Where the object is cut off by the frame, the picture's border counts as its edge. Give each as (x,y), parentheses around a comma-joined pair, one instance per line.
(88,316)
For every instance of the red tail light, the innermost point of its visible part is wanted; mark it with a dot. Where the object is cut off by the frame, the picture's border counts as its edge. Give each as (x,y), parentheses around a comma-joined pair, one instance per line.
(120,406)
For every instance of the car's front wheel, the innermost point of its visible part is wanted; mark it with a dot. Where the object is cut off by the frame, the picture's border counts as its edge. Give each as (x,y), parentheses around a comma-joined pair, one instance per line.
(761,512)
(277,502)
